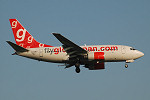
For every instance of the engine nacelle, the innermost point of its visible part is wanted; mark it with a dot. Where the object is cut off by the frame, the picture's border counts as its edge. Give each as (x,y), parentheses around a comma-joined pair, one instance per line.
(96,55)
(96,66)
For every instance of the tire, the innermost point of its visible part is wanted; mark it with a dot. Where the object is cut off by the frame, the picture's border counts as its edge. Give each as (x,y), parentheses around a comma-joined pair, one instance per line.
(77,70)
(126,65)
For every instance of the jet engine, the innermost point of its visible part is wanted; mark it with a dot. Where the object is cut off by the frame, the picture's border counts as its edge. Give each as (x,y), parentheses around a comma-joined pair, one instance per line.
(96,66)
(96,56)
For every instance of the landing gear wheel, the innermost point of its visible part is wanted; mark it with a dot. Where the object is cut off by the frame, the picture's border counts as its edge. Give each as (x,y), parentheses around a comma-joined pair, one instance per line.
(126,65)
(77,69)
(77,65)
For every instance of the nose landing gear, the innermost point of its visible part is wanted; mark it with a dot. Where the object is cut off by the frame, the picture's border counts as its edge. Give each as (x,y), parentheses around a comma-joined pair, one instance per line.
(126,65)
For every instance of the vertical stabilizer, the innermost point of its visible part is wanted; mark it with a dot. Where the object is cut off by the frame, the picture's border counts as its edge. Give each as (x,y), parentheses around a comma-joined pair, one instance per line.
(23,37)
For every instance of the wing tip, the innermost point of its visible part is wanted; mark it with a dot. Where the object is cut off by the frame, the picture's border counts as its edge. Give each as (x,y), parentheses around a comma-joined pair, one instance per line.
(56,33)
(8,41)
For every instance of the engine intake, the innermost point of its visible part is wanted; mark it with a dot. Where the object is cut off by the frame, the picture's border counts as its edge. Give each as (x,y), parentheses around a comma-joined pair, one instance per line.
(96,55)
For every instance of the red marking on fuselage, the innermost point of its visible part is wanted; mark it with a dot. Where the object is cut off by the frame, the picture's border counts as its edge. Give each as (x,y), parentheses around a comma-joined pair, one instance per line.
(57,50)
(99,55)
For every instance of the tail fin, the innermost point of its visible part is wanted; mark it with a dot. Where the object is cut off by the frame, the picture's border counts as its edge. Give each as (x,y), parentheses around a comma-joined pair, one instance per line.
(23,37)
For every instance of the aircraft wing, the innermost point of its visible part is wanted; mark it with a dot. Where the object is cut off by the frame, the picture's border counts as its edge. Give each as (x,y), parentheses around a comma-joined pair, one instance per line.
(71,48)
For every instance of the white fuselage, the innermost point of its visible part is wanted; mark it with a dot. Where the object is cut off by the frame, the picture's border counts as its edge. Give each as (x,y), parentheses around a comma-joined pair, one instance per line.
(112,53)
(92,56)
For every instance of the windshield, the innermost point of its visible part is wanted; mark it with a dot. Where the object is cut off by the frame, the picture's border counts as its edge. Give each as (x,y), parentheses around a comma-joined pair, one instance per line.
(132,49)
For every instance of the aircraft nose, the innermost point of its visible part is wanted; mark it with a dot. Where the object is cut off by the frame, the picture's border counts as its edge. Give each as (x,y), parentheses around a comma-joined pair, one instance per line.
(140,54)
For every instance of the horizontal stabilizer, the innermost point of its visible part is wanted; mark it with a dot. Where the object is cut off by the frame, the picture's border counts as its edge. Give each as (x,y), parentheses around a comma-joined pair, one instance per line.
(17,47)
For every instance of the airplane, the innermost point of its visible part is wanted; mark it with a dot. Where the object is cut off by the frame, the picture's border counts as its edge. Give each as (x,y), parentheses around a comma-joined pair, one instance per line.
(70,54)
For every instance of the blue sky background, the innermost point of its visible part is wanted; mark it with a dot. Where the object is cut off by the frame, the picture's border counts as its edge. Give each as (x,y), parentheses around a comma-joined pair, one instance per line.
(125,22)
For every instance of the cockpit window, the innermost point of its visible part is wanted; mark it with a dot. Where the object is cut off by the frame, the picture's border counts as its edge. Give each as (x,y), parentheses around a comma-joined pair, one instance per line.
(132,49)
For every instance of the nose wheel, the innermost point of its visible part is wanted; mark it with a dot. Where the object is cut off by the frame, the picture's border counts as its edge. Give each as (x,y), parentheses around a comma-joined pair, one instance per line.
(126,65)
(77,65)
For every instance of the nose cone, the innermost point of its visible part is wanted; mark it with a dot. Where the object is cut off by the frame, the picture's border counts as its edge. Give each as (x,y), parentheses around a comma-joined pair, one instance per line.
(140,54)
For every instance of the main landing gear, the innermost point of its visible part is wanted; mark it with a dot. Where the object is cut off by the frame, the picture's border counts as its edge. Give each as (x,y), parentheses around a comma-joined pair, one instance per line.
(77,65)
